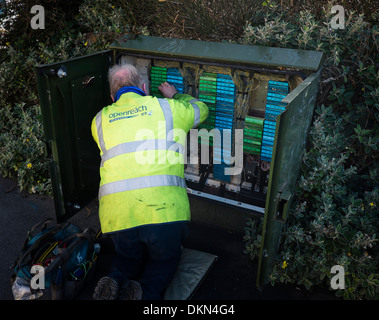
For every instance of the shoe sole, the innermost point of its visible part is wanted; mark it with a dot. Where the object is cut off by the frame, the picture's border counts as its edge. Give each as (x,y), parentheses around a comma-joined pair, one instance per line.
(106,289)
(134,291)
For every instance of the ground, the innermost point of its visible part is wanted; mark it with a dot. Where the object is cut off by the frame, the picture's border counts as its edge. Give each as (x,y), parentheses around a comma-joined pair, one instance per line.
(231,278)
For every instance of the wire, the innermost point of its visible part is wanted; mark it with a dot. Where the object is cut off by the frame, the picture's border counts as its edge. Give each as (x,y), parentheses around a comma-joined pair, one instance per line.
(86,266)
(38,254)
(47,252)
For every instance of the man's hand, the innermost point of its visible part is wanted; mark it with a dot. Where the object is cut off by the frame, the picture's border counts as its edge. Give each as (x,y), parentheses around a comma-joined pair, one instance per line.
(167,90)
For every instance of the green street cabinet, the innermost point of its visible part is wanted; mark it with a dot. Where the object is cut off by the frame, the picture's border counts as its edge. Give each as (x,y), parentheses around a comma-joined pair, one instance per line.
(243,161)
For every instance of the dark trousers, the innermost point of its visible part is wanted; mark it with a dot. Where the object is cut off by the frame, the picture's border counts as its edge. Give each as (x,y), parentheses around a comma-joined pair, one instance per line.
(150,254)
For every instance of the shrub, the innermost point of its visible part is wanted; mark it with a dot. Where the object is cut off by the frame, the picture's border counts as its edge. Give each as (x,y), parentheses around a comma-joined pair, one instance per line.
(59,15)
(330,223)
(22,152)
(334,219)
(214,20)
(22,147)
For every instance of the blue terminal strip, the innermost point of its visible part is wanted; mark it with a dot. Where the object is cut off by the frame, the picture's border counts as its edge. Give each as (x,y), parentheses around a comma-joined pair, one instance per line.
(218,91)
(224,121)
(277,91)
(207,94)
(171,75)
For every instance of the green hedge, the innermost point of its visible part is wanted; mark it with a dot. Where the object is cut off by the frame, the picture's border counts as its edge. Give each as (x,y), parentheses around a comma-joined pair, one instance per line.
(90,27)
(334,220)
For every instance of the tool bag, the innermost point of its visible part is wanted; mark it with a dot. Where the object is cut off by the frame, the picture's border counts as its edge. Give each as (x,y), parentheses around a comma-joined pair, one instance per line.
(67,255)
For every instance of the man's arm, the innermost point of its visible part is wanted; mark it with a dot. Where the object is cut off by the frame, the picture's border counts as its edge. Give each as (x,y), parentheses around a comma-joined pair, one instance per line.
(167,90)
(188,106)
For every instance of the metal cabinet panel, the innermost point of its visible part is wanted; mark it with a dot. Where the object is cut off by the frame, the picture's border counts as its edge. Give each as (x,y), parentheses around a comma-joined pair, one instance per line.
(71,93)
(289,148)
(222,52)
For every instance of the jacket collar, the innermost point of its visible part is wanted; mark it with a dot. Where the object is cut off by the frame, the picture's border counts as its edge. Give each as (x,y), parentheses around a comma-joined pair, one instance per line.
(126,90)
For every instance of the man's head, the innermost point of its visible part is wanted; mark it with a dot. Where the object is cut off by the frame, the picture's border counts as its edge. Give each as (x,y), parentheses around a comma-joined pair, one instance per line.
(124,75)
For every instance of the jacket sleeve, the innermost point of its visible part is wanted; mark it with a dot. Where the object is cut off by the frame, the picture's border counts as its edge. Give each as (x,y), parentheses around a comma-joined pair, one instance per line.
(188,112)
(94,132)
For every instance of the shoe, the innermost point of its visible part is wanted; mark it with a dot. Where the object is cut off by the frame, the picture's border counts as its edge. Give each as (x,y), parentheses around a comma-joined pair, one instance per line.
(106,289)
(133,291)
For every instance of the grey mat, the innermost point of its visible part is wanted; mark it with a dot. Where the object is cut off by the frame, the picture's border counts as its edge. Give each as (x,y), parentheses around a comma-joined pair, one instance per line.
(193,268)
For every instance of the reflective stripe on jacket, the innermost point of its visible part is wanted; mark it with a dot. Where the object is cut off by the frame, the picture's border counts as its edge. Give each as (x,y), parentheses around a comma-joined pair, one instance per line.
(142,154)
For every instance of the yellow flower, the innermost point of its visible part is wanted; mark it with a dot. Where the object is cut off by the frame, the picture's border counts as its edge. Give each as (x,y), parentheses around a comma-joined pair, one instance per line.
(371,204)
(29,165)
(86,43)
(349,254)
(284,264)
(8,43)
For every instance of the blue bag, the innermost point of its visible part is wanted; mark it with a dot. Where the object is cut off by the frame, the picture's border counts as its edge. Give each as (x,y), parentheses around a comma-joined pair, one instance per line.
(65,252)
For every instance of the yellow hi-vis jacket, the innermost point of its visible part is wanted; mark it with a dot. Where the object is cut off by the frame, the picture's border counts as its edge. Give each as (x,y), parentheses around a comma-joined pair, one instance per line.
(142,143)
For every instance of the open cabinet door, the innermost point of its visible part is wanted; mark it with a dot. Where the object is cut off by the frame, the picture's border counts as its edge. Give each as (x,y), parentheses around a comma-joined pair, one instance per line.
(71,93)
(289,147)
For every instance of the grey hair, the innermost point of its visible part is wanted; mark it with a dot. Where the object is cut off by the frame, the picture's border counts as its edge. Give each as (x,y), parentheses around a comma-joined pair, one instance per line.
(123,75)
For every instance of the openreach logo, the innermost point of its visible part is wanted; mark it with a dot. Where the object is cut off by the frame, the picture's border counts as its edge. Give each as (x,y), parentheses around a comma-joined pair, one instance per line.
(141,110)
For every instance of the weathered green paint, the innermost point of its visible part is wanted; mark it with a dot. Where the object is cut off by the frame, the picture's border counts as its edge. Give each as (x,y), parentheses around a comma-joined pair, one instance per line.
(222,52)
(68,106)
(289,146)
